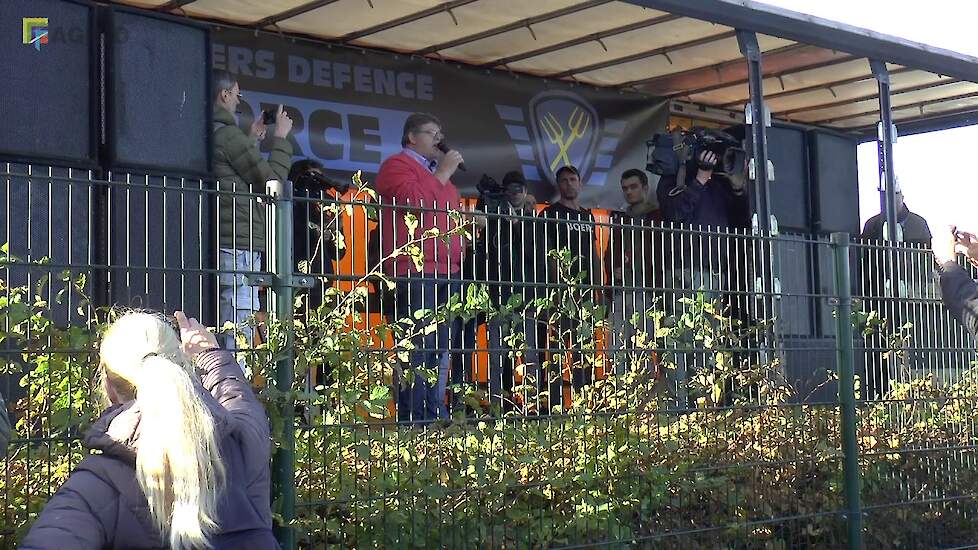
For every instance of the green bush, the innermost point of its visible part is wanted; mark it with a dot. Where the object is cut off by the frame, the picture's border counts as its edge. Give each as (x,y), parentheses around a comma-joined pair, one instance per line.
(747,467)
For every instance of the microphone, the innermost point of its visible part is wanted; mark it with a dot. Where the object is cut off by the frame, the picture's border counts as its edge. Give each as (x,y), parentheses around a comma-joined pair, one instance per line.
(444,148)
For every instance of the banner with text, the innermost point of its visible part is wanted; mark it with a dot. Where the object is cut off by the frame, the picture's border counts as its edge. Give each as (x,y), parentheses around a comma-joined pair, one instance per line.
(349,108)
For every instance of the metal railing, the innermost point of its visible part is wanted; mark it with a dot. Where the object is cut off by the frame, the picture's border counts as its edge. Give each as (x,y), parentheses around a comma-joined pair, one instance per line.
(678,387)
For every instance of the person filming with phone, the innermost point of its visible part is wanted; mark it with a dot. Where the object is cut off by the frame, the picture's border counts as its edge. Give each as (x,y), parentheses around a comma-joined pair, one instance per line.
(240,168)
(181,452)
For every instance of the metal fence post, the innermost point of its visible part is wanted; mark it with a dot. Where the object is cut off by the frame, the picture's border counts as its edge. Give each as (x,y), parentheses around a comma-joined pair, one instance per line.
(847,393)
(282,262)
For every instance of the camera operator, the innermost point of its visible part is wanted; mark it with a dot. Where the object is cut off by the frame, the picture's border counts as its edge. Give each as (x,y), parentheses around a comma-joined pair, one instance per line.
(696,194)
(317,228)
(505,245)
(705,198)
(240,168)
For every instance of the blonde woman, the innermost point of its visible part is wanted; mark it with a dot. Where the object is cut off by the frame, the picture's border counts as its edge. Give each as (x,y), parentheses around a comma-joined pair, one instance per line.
(184,450)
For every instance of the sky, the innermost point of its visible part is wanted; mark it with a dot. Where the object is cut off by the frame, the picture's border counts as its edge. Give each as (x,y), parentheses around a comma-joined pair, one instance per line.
(937,169)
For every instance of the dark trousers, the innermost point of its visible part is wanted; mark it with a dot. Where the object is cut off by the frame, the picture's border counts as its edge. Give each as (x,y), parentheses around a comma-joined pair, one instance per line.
(423,399)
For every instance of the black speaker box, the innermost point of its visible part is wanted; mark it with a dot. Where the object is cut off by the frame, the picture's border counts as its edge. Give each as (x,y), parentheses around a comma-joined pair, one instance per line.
(158,103)
(836,183)
(47,97)
(160,244)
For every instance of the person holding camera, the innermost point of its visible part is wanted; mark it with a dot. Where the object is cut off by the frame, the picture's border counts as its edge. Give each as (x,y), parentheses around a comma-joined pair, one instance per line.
(704,198)
(317,227)
(506,243)
(959,291)
(183,449)
(697,195)
(240,168)
(417,182)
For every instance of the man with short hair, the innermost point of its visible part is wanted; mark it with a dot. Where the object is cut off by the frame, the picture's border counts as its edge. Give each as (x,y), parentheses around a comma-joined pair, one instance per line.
(629,265)
(411,182)
(240,168)
(571,228)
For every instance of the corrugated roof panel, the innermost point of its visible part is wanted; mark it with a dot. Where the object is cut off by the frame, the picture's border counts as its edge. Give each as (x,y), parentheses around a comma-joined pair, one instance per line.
(347,16)
(914,113)
(463,21)
(632,43)
(899,101)
(791,81)
(240,11)
(681,60)
(861,88)
(593,20)
(147,3)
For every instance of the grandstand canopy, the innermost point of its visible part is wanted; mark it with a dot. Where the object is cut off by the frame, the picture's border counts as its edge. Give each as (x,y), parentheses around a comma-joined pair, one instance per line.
(816,71)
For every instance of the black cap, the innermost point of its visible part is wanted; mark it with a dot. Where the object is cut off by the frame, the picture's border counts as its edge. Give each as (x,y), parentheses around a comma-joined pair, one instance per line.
(512,177)
(567,168)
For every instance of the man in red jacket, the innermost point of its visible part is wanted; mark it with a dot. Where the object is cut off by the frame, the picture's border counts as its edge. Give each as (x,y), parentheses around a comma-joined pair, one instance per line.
(417,181)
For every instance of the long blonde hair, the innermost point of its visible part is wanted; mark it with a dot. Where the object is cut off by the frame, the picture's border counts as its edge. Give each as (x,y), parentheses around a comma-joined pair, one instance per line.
(178,463)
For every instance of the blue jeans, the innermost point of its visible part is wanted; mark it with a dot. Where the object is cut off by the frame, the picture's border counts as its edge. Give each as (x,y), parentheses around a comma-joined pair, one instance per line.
(420,400)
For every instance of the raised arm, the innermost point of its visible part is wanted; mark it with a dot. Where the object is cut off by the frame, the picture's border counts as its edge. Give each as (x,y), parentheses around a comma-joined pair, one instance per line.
(222,377)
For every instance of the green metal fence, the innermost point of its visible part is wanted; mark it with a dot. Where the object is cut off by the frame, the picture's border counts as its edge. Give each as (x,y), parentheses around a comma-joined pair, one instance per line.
(679,387)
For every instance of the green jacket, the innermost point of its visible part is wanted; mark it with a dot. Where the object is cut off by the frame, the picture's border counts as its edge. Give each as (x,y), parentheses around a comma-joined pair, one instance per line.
(239,167)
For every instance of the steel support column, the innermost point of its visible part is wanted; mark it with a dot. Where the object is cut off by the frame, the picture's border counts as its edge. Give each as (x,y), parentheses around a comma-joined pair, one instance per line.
(283,265)
(847,392)
(885,138)
(757,118)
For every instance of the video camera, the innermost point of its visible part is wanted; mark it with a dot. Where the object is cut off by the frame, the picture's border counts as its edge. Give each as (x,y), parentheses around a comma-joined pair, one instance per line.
(667,151)
(313,179)
(491,191)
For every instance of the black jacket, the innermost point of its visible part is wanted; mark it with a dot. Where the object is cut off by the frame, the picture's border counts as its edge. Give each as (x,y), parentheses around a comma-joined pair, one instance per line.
(713,204)
(309,245)
(630,258)
(101,505)
(504,251)
(915,228)
(960,295)
(573,230)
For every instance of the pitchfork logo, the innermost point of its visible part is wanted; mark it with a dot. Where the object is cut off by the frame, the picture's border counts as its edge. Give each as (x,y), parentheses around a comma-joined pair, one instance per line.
(565,130)
(560,129)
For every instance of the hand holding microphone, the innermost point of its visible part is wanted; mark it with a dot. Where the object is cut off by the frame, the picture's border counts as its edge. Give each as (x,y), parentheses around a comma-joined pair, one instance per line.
(452,157)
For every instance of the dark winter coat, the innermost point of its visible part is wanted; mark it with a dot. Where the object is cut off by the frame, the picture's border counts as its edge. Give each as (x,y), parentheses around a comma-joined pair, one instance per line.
(239,167)
(630,259)
(960,295)
(915,228)
(101,505)
(714,204)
